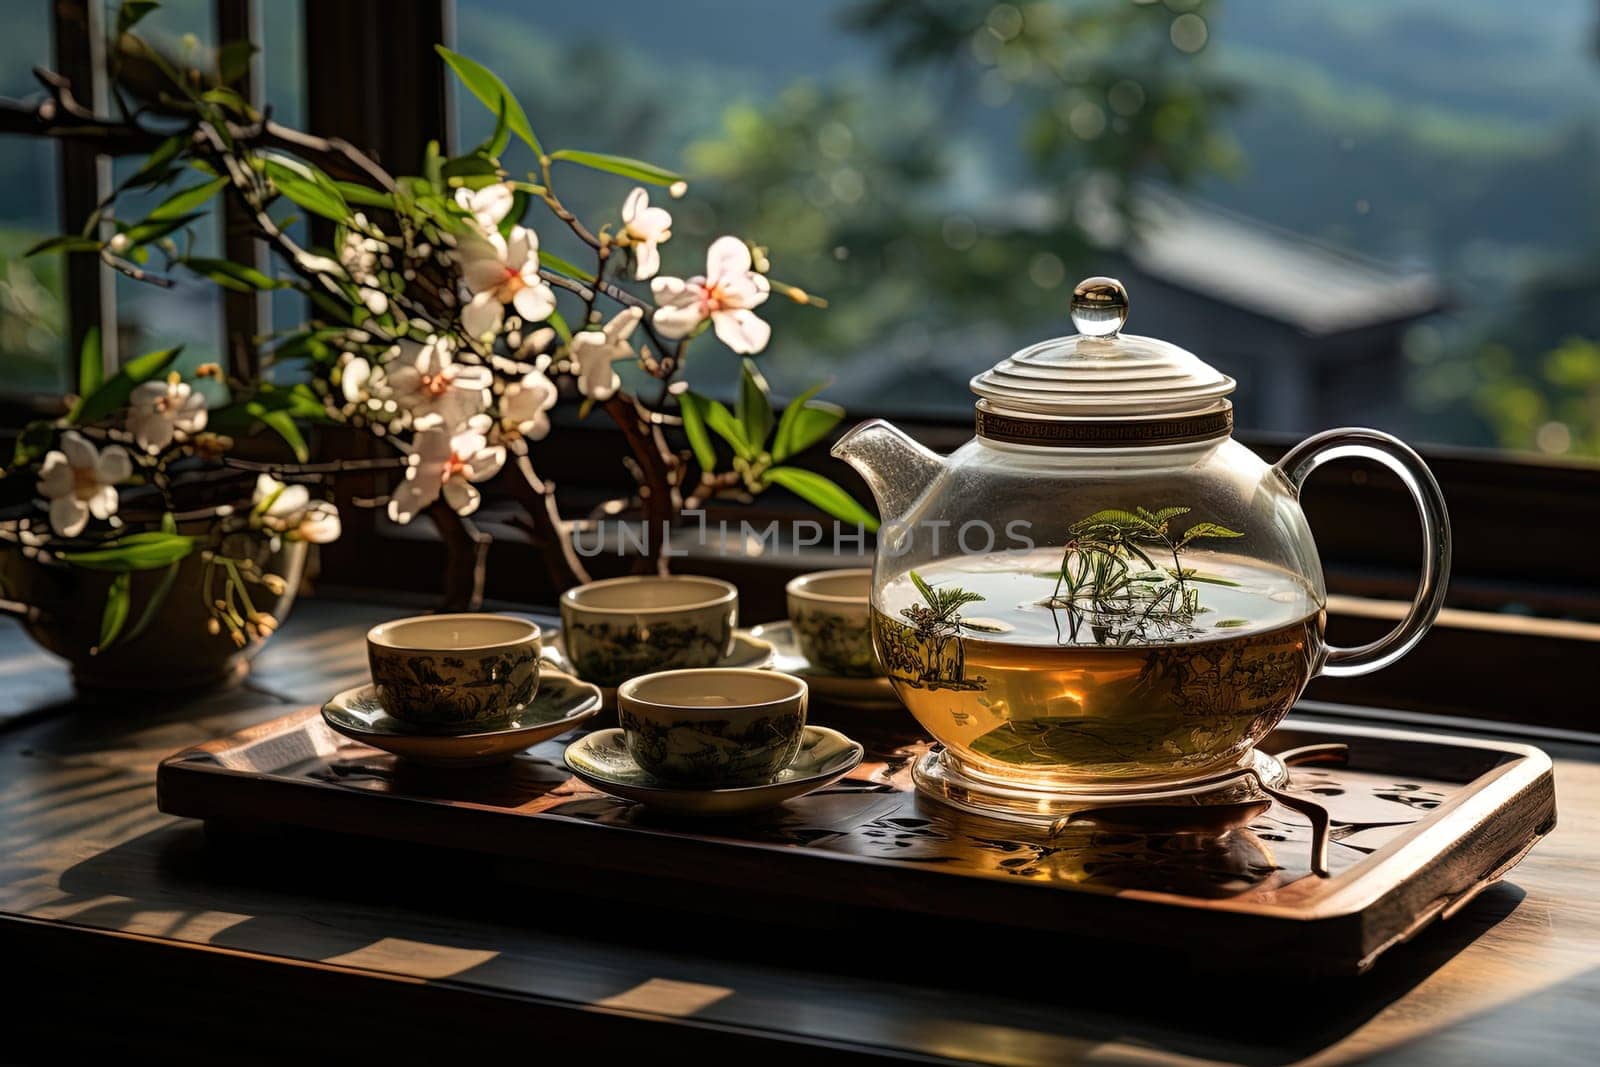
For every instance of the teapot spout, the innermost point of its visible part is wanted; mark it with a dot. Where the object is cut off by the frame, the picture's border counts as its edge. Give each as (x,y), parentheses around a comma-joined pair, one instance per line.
(896,468)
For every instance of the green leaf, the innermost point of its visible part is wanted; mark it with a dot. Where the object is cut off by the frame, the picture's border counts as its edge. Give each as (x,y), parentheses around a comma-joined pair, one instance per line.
(637,169)
(365,195)
(158,596)
(235,276)
(130,12)
(276,408)
(115,613)
(561,266)
(722,422)
(811,424)
(184,201)
(306,186)
(1170,513)
(693,409)
(114,393)
(136,552)
(33,442)
(923,588)
(1206,529)
(1116,517)
(154,170)
(781,449)
(803,423)
(753,408)
(282,423)
(228,98)
(333,310)
(823,493)
(433,166)
(311,344)
(1189,575)
(501,136)
(69,242)
(91,362)
(469,167)
(486,85)
(560,326)
(153,229)
(233,61)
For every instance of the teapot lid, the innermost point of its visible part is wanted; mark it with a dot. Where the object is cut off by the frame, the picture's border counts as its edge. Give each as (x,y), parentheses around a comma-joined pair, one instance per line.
(1101,386)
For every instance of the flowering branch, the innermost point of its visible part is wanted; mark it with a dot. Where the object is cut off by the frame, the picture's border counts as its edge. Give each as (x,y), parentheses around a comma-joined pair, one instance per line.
(439,328)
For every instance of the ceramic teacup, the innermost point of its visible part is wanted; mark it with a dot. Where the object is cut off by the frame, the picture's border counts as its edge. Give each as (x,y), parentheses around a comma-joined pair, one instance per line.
(712,727)
(829,612)
(622,627)
(454,672)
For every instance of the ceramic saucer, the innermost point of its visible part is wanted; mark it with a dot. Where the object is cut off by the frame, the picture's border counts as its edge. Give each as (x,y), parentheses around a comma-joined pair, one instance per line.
(749,652)
(561,703)
(873,692)
(601,759)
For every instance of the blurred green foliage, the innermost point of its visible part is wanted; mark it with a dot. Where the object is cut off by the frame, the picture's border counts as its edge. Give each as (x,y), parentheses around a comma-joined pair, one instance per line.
(1552,406)
(849,183)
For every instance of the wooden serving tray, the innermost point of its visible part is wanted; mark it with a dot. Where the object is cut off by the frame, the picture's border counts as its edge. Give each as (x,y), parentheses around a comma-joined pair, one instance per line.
(1422,823)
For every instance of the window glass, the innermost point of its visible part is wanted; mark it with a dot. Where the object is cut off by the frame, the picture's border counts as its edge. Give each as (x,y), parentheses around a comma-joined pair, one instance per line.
(284,87)
(32,325)
(1375,211)
(189,313)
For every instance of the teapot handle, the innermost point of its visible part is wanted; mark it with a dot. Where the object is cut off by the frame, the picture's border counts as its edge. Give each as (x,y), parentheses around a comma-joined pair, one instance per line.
(1394,454)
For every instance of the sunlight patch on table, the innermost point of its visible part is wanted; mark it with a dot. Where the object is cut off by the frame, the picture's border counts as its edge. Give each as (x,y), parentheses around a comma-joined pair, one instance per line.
(414,958)
(663,996)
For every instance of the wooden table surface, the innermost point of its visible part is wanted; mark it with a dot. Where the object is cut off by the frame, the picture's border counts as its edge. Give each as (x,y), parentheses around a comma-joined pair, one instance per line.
(137,934)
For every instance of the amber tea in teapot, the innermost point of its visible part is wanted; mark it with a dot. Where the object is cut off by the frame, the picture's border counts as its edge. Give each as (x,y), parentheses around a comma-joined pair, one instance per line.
(1152,681)
(1103,594)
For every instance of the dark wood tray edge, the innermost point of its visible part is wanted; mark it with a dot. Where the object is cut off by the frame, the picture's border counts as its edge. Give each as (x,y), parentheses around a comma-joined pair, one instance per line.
(1347,939)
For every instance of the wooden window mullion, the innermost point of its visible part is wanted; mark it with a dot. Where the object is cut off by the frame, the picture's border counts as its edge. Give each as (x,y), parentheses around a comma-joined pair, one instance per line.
(79,42)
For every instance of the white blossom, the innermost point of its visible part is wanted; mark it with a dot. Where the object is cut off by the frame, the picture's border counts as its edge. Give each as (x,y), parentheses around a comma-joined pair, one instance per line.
(643,228)
(320,524)
(318,264)
(497,271)
(436,390)
(360,381)
(524,405)
(725,294)
(594,351)
(288,511)
(359,254)
(445,464)
(488,206)
(157,411)
(79,480)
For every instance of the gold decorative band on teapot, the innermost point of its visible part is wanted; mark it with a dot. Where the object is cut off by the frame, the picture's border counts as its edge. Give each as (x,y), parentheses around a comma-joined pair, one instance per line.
(1104,433)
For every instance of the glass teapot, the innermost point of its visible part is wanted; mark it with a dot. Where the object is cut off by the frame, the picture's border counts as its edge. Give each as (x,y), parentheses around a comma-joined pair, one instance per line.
(1102,594)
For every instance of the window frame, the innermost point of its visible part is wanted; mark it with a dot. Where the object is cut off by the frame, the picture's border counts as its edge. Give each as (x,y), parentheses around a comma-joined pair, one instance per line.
(1359,513)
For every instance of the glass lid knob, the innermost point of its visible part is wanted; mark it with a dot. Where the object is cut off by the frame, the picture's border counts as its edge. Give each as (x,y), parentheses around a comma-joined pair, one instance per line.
(1099,307)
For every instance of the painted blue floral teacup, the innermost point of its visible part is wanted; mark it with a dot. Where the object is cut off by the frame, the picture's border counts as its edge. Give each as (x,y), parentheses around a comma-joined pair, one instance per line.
(712,727)
(619,628)
(454,672)
(829,612)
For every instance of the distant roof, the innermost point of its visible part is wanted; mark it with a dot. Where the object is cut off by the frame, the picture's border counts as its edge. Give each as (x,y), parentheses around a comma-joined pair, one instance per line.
(1244,265)
(1272,272)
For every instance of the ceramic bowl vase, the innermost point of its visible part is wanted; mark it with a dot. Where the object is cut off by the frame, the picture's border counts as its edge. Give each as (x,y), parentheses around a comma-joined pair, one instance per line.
(623,627)
(171,650)
(454,672)
(712,728)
